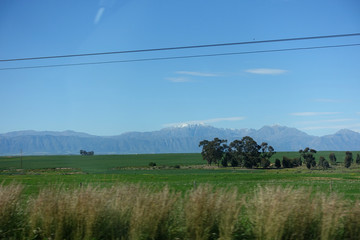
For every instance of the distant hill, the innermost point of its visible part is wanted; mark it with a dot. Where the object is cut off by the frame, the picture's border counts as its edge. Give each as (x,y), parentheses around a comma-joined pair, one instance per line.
(184,138)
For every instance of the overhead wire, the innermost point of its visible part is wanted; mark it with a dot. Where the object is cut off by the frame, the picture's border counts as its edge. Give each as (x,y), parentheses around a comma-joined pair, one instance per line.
(181,47)
(180,57)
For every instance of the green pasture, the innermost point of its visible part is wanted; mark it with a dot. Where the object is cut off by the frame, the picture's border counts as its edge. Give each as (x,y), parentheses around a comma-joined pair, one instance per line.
(107,170)
(99,163)
(106,163)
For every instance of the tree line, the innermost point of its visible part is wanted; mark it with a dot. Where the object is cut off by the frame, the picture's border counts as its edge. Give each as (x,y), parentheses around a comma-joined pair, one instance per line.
(248,153)
(245,152)
(85,153)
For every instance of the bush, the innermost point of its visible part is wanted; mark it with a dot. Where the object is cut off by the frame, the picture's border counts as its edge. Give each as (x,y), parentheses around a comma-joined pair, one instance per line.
(152,164)
(265,163)
(348,159)
(291,162)
(323,163)
(308,155)
(326,164)
(286,162)
(277,163)
(332,158)
(234,162)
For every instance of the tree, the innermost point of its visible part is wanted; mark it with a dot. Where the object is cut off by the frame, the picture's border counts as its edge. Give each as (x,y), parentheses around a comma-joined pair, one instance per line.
(286,162)
(266,150)
(266,153)
(308,155)
(85,153)
(227,157)
(251,154)
(357,159)
(277,163)
(326,164)
(348,159)
(332,158)
(291,162)
(212,151)
(321,161)
(236,149)
(297,162)
(265,163)
(207,151)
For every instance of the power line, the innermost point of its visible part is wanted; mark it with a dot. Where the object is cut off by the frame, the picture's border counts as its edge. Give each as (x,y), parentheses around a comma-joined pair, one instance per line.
(180,57)
(181,47)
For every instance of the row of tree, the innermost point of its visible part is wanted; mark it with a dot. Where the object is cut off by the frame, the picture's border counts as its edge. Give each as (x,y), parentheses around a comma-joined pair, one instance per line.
(245,152)
(309,160)
(85,153)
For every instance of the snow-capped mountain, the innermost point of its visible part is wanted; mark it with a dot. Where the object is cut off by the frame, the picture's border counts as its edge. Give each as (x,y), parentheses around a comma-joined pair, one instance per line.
(183,138)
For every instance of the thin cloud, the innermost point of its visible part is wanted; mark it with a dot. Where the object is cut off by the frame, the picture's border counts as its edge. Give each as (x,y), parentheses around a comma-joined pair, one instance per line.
(207,121)
(99,14)
(178,79)
(307,114)
(197,74)
(326,100)
(214,120)
(266,71)
(348,126)
(328,121)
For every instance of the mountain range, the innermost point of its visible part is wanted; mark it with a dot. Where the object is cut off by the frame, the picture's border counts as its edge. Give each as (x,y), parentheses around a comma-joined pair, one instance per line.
(184,138)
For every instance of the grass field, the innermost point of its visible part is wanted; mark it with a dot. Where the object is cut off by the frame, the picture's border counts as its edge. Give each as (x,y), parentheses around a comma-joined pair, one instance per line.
(107,170)
(122,197)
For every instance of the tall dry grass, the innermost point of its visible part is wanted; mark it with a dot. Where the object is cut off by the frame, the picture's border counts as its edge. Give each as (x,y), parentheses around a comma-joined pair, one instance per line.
(11,214)
(352,221)
(153,215)
(212,213)
(206,212)
(122,212)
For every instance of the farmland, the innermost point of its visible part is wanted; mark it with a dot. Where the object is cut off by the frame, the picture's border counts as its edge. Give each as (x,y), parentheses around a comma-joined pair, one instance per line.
(178,171)
(122,197)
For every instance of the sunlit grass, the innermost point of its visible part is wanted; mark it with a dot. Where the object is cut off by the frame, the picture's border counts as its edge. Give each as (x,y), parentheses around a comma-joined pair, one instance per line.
(128,211)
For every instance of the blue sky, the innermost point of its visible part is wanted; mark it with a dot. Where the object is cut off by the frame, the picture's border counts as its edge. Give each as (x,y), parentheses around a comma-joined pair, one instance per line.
(317,91)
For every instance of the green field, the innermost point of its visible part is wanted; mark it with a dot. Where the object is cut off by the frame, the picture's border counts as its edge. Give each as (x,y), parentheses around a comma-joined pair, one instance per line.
(122,197)
(107,170)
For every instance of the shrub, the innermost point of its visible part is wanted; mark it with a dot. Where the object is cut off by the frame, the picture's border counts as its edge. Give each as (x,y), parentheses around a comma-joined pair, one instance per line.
(277,163)
(286,162)
(332,158)
(308,155)
(321,161)
(326,164)
(265,163)
(291,162)
(152,164)
(348,159)
(234,162)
